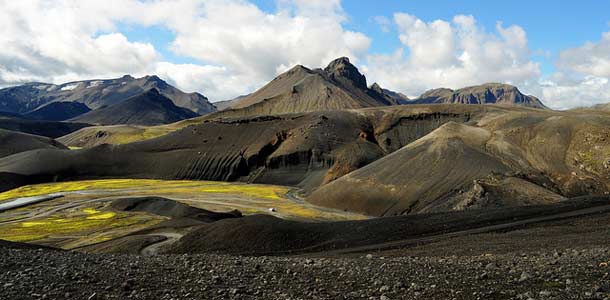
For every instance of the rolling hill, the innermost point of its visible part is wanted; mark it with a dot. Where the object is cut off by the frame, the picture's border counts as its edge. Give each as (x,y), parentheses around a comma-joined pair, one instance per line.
(390,160)
(52,129)
(14,142)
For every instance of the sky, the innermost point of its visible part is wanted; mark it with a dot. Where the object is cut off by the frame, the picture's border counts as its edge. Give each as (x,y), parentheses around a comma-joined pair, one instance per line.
(558,51)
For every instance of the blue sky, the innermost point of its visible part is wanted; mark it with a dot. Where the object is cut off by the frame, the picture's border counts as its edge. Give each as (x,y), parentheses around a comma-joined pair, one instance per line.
(551,25)
(556,50)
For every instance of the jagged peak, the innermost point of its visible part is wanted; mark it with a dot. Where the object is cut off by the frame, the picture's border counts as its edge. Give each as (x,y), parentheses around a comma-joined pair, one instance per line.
(152,91)
(376,87)
(341,69)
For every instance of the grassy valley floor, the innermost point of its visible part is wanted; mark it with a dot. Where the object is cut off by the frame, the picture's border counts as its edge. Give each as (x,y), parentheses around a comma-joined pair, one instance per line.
(79,213)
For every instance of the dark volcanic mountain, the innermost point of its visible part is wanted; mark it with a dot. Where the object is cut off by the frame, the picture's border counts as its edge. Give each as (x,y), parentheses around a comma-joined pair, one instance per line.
(58,111)
(398,98)
(96,93)
(148,108)
(490,93)
(14,142)
(339,86)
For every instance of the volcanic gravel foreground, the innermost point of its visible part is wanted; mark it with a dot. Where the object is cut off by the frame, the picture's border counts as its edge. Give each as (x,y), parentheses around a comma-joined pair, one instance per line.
(44,274)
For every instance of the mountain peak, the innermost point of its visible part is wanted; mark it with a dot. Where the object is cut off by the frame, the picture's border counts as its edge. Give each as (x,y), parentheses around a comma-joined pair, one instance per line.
(342,70)
(376,87)
(152,91)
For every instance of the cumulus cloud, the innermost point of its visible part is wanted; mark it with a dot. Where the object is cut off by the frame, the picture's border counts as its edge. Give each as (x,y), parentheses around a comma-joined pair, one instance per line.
(590,58)
(235,47)
(256,45)
(453,54)
(582,78)
(238,45)
(383,22)
(52,41)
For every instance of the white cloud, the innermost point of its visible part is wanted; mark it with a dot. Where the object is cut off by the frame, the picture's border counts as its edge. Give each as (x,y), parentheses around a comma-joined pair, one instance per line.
(565,94)
(582,78)
(240,46)
(453,54)
(51,41)
(237,47)
(256,45)
(590,58)
(383,22)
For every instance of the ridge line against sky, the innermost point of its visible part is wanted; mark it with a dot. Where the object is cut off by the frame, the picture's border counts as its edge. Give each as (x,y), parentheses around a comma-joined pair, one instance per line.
(228,48)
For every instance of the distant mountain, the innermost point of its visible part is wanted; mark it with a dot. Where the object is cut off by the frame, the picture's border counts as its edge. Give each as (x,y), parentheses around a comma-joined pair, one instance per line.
(338,86)
(227,104)
(602,106)
(489,93)
(148,108)
(96,93)
(58,111)
(398,98)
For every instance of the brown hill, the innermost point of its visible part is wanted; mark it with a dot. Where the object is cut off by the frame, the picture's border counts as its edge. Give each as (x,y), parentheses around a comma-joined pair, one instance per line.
(398,159)
(305,149)
(489,93)
(339,86)
(500,160)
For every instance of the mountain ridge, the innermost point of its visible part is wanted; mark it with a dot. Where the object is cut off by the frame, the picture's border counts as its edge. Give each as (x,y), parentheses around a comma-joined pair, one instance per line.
(487,93)
(148,108)
(96,93)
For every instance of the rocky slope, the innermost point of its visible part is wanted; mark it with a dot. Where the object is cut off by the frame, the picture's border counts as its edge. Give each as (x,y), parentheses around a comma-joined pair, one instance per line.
(490,93)
(500,160)
(381,161)
(338,86)
(96,94)
(148,108)
(567,259)
(306,149)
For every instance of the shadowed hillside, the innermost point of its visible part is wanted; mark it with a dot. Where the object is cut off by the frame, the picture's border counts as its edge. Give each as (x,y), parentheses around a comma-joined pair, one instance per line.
(148,108)
(58,111)
(14,142)
(398,159)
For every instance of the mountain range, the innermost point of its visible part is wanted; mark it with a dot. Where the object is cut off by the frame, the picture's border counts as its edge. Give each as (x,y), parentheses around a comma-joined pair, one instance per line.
(148,108)
(95,94)
(489,93)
